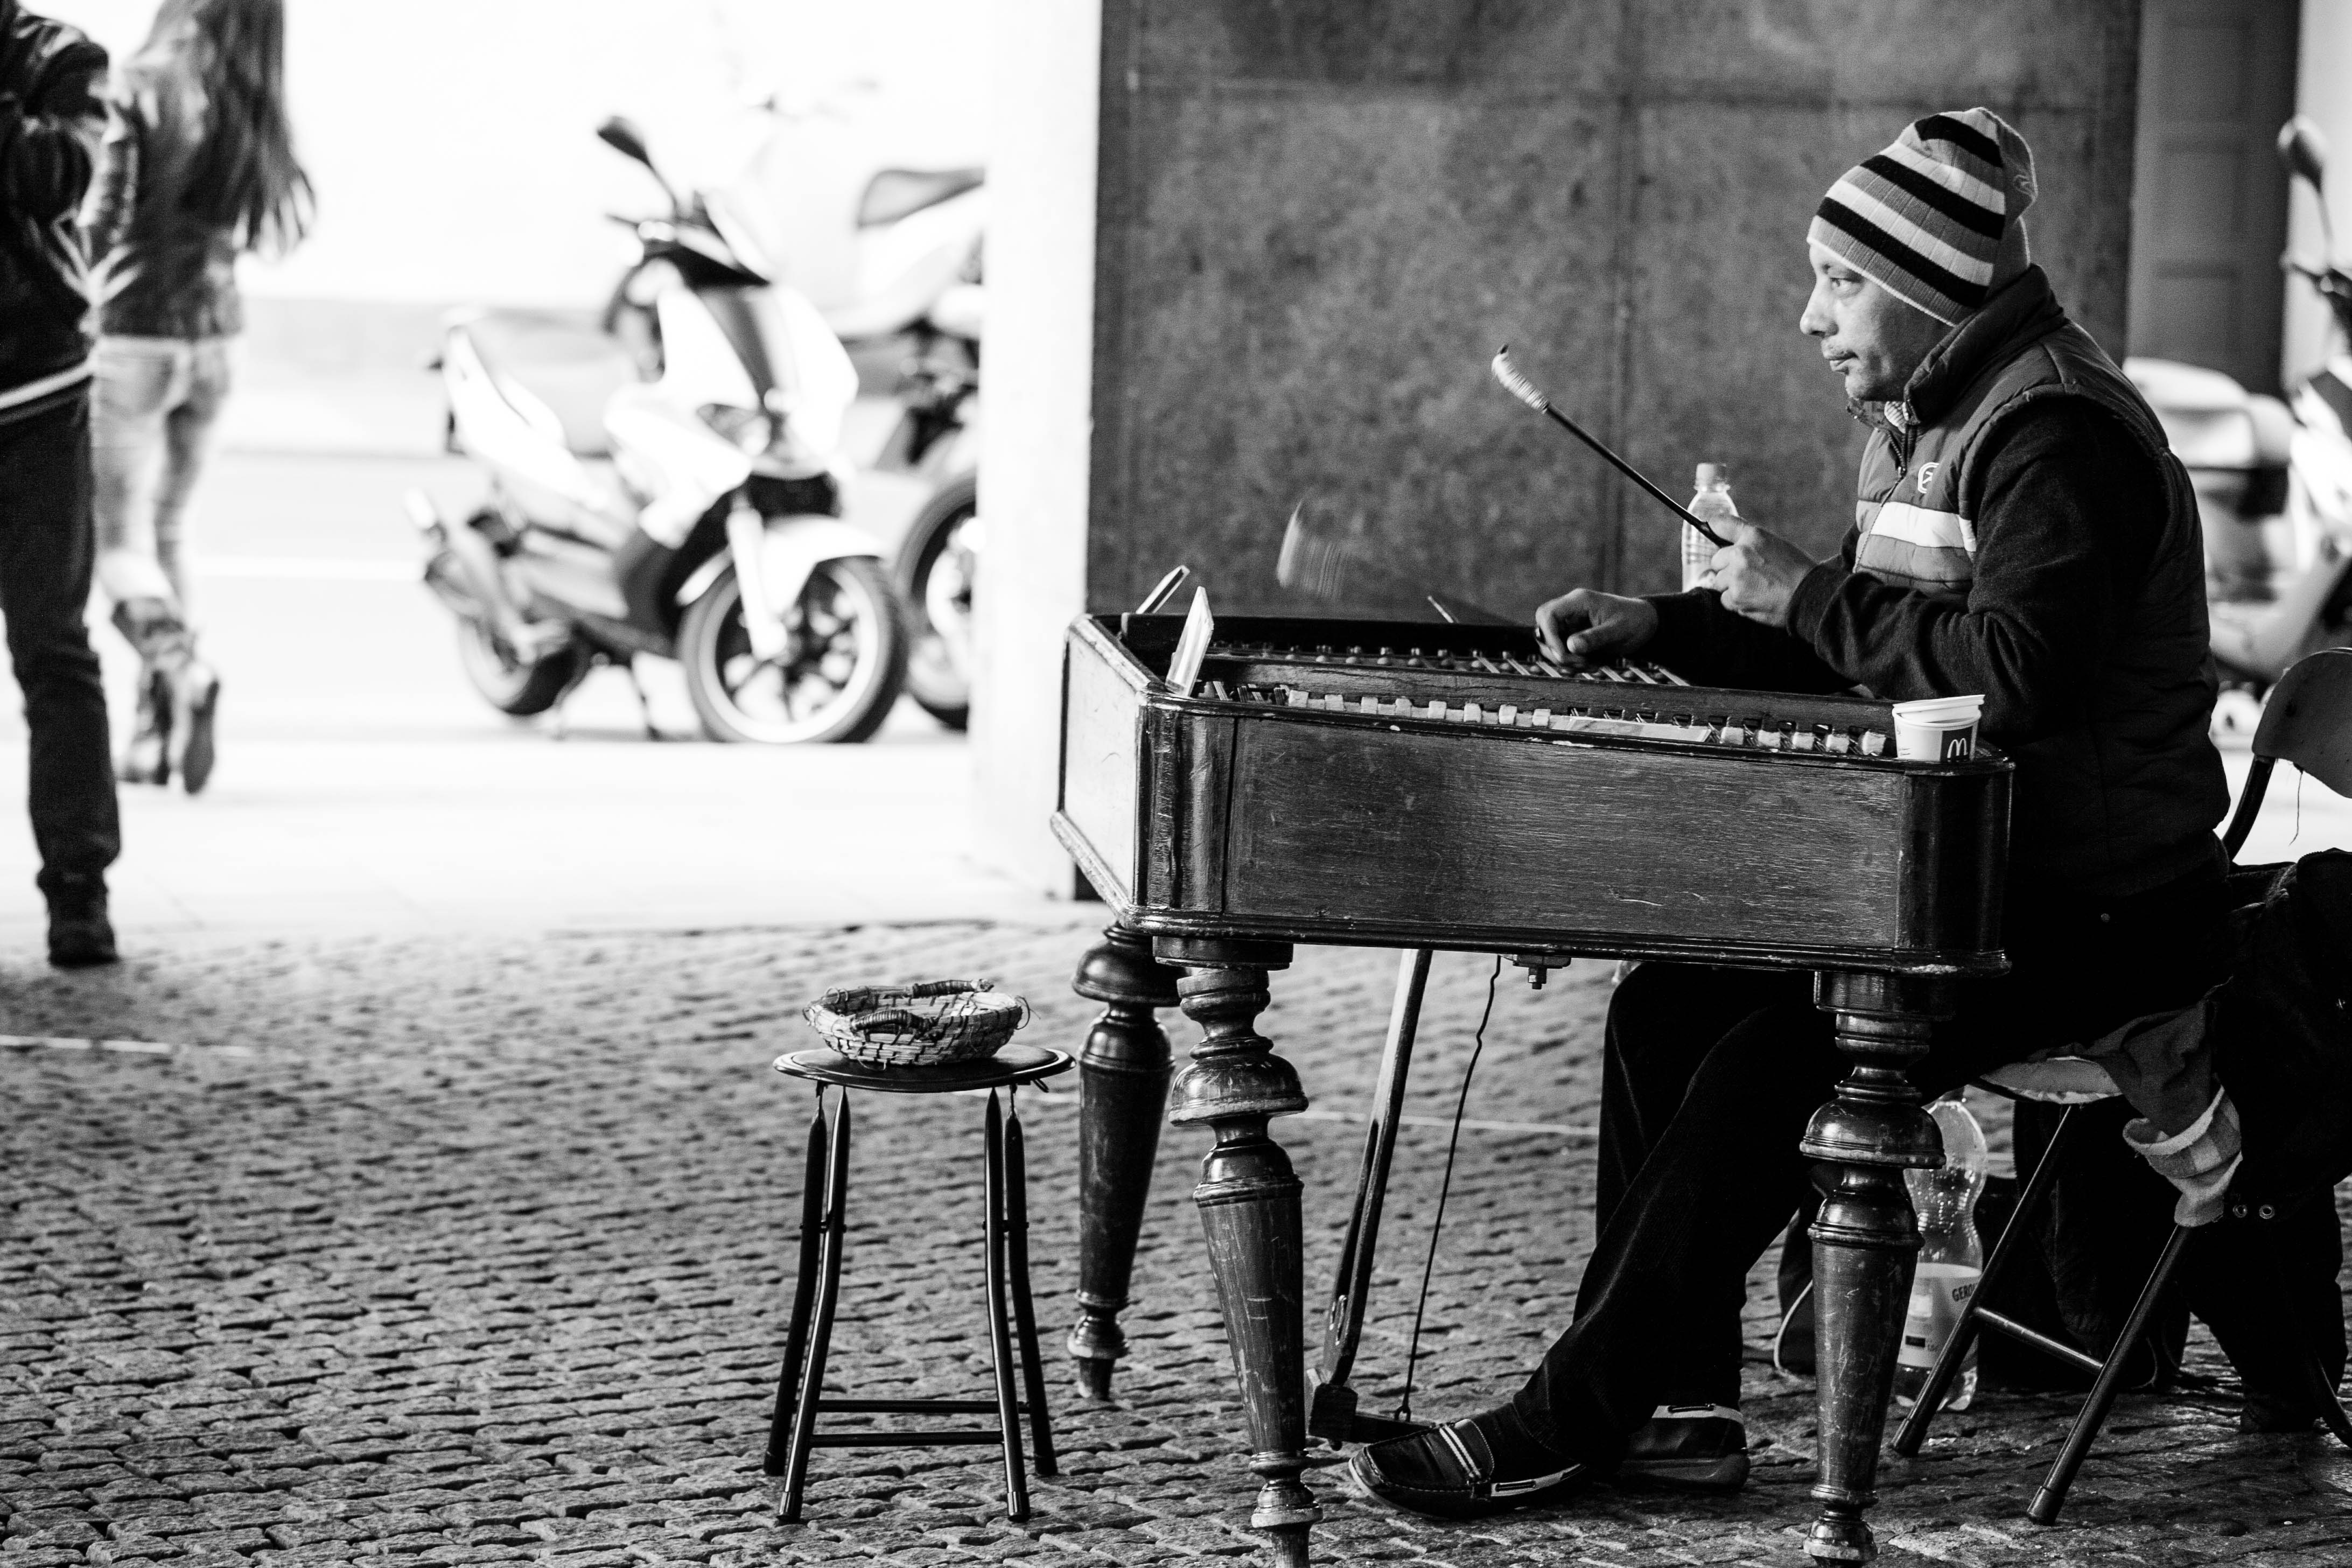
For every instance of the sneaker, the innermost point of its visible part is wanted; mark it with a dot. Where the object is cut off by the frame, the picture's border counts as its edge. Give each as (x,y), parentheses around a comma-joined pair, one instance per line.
(80,936)
(196,697)
(147,759)
(1696,1447)
(1451,1472)
(143,762)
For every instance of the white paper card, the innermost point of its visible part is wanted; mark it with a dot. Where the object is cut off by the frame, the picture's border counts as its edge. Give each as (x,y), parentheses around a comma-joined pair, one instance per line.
(1184,669)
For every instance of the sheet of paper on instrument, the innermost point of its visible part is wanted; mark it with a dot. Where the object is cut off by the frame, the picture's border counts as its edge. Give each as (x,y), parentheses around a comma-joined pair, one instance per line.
(1184,669)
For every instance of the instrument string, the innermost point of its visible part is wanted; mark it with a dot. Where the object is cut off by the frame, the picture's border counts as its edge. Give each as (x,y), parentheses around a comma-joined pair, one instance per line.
(1445,1186)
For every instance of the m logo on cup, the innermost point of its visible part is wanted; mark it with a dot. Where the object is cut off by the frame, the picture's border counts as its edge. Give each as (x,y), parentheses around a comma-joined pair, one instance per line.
(1938,728)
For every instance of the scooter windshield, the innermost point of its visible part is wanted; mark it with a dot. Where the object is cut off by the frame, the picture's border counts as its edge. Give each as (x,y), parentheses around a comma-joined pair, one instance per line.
(814,381)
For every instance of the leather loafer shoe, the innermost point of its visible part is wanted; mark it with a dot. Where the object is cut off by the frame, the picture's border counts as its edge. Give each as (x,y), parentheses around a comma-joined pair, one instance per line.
(1696,1447)
(1449,1472)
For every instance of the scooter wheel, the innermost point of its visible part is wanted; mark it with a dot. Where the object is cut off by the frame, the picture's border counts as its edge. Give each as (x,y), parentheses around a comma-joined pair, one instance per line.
(509,682)
(934,574)
(2237,712)
(838,680)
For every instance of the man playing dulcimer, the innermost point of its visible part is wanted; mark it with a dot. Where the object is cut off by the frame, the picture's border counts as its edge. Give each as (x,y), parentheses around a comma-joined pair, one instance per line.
(2021,533)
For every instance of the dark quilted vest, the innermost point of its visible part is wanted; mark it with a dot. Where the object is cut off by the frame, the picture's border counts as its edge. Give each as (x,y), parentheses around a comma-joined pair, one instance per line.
(2125,799)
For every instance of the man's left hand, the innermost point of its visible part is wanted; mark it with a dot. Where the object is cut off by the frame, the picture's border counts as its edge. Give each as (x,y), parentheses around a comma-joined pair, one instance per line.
(1757,573)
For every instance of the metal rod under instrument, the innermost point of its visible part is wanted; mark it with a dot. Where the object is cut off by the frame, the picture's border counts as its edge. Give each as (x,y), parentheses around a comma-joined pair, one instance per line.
(1527,391)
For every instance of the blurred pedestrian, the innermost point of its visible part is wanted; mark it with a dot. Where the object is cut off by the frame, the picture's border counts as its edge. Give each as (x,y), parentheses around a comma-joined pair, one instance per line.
(51,116)
(198,168)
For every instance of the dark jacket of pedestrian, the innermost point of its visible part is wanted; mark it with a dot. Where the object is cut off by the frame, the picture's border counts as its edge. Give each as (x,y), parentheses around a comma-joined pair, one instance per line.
(51,119)
(197,169)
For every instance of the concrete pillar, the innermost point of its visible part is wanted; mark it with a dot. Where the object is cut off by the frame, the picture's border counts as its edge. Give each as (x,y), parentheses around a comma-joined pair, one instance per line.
(1034,471)
(1314,222)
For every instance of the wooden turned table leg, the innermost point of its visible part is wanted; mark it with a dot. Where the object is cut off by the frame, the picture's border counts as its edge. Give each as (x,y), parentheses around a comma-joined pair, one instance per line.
(1123,1070)
(1248,1199)
(1867,1239)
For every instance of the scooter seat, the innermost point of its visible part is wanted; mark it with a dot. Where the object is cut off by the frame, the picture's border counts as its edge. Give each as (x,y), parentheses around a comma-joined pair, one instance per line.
(893,194)
(2274,431)
(567,365)
(2212,422)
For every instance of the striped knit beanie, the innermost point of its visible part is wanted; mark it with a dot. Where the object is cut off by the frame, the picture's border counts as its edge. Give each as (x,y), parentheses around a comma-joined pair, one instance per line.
(1938,219)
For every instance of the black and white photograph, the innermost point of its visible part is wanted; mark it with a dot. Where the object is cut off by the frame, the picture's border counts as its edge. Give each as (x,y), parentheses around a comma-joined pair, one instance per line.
(639,937)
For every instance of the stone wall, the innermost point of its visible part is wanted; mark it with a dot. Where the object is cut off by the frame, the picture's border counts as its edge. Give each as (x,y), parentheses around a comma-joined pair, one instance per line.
(1317,219)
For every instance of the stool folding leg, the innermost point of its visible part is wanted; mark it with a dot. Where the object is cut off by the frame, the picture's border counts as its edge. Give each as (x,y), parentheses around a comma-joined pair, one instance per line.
(1000,1341)
(813,1179)
(1969,1323)
(2106,1374)
(1025,1310)
(2050,1496)
(828,1294)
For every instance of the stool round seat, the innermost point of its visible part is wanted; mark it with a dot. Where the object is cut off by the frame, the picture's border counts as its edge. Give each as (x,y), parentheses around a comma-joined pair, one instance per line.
(1011,1066)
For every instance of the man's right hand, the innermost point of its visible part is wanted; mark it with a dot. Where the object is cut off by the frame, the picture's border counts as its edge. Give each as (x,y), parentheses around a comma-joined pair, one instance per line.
(1585,625)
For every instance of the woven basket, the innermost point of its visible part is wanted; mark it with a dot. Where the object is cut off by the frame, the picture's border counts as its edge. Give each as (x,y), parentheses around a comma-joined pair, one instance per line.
(930,1024)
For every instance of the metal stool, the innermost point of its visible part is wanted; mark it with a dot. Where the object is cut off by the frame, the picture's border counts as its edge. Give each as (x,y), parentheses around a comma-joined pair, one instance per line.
(825,1198)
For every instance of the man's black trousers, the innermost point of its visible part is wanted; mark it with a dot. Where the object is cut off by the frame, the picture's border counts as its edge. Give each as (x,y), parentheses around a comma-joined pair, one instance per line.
(47,549)
(1711,1076)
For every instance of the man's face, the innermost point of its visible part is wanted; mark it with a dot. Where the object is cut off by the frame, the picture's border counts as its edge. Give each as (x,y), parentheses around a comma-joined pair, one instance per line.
(1871,338)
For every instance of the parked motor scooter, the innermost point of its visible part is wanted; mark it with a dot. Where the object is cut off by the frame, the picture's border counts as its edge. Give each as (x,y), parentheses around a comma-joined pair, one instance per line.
(2273,485)
(695,517)
(937,439)
(917,235)
(916,276)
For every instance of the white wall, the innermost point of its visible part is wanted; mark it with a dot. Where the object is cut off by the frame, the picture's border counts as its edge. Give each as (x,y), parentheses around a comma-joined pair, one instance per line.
(2323,92)
(451,140)
(1033,488)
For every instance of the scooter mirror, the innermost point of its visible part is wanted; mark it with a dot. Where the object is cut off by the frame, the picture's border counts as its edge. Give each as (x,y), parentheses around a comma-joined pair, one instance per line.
(2303,148)
(625,139)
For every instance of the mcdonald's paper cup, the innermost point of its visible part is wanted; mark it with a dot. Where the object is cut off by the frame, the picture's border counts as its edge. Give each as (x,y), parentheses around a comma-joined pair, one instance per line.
(1937,730)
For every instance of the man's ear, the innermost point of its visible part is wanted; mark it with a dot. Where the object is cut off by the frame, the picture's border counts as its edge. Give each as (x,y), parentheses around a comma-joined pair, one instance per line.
(1920,332)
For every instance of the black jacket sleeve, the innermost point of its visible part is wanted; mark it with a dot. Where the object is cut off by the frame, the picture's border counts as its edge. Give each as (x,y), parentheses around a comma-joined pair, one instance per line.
(1707,645)
(2066,505)
(49,132)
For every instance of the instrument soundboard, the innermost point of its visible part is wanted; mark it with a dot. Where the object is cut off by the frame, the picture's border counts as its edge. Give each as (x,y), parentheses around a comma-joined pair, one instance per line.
(1419,784)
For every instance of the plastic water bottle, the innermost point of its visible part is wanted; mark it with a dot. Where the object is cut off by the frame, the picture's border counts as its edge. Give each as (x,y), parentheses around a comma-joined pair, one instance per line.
(1712,502)
(1951,1257)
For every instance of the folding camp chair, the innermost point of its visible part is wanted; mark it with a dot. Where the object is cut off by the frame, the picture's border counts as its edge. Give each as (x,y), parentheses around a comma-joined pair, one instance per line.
(2308,722)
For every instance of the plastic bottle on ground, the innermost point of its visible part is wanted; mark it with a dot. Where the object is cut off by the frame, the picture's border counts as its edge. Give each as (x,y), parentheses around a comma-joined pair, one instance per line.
(1951,1257)
(1712,502)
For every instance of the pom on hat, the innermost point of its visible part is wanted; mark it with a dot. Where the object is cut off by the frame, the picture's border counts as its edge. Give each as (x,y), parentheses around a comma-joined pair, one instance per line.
(1938,219)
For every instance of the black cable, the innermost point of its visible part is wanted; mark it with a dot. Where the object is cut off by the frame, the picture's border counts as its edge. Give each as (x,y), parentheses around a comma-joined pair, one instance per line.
(1429,1264)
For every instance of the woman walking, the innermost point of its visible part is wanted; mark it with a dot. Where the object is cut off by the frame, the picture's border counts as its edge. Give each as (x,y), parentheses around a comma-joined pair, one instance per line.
(198,168)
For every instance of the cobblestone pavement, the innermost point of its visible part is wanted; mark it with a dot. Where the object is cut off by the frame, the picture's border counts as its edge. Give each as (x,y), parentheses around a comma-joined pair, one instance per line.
(457,1252)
